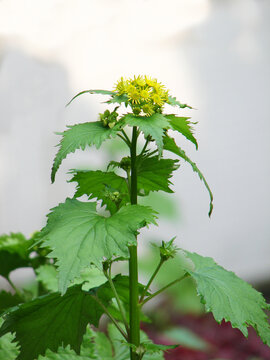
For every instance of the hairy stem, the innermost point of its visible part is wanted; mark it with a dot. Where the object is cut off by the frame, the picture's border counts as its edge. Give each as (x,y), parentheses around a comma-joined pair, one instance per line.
(110,316)
(151,280)
(164,288)
(134,337)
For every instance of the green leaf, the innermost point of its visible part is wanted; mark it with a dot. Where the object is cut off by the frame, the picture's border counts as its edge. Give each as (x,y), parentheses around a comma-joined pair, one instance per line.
(14,252)
(78,137)
(187,338)
(79,236)
(152,348)
(8,300)
(8,348)
(154,174)
(153,126)
(49,321)
(86,351)
(103,347)
(228,297)
(119,99)
(102,92)
(89,277)
(170,145)
(172,101)
(102,185)
(182,125)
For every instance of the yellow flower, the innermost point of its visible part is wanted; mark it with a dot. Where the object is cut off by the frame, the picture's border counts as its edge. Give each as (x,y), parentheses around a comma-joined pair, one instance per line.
(145,94)
(149,81)
(121,86)
(148,109)
(139,80)
(157,99)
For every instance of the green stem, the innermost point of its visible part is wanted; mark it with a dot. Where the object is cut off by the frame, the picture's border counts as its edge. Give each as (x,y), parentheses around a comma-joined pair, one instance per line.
(119,303)
(17,291)
(164,288)
(125,141)
(151,279)
(134,337)
(145,146)
(152,153)
(126,137)
(110,316)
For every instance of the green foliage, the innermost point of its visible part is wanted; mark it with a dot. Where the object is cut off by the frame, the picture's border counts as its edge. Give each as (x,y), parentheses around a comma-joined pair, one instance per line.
(79,236)
(78,137)
(182,125)
(106,186)
(172,101)
(187,338)
(152,126)
(14,252)
(228,297)
(170,145)
(48,322)
(154,174)
(101,92)
(7,300)
(8,348)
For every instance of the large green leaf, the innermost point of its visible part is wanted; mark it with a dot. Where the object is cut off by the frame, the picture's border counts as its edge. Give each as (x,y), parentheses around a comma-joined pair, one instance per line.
(79,236)
(101,92)
(182,125)
(153,126)
(78,137)
(52,320)
(170,145)
(154,174)
(228,297)
(14,252)
(102,185)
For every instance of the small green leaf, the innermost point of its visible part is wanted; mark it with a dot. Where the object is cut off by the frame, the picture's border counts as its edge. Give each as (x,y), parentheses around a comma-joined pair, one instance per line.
(228,297)
(119,99)
(102,185)
(49,321)
(182,125)
(8,348)
(154,174)
(152,348)
(102,92)
(153,126)
(14,252)
(78,137)
(170,145)
(172,101)
(103,347)
(47,275)
(79,236)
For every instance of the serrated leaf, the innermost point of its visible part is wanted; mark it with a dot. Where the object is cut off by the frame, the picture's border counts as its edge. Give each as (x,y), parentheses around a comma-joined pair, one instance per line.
(102,92)
(8,300)
(49,321)
(89,278)
(78,137)
(170,145)
(119,99)
(228,297)
(8,348)
(99,184)
(14,252)
(79,236)
(172,101)
(103,347)
(153,126)
(182,125)
(154,174)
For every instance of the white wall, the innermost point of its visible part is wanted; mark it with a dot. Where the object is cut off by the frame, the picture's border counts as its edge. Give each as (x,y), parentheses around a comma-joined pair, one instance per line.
(211,54)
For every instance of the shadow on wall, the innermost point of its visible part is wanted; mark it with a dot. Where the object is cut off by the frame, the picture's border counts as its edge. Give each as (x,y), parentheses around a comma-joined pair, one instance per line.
(33,95)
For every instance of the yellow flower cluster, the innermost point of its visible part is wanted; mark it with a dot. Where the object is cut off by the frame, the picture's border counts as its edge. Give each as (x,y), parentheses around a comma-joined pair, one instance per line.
(144,94)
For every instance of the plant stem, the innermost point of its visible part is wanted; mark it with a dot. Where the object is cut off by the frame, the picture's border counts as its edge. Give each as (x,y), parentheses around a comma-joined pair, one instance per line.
(119,303)
(125,141)
(110,316)
(134,337)
(17,291)
(164,288)
(151,279)
(145,146)
(126,137)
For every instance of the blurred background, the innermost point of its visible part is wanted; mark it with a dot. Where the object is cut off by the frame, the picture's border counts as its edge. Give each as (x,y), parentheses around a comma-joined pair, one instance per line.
(211,54)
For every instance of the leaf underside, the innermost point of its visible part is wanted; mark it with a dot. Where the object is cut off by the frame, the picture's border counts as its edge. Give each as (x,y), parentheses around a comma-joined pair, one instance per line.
(229,297)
